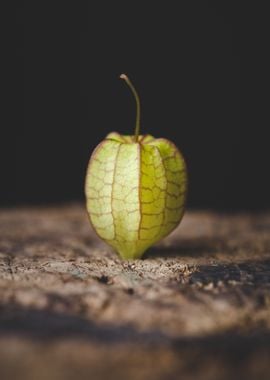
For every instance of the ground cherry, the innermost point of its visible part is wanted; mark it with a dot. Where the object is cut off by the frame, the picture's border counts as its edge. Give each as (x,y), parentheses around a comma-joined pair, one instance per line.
(135,189)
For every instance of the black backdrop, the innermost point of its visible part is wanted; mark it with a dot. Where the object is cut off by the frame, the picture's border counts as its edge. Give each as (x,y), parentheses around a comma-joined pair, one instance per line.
(197,66)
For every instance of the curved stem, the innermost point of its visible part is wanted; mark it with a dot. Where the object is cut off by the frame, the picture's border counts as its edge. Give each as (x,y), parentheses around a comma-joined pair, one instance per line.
(138,112)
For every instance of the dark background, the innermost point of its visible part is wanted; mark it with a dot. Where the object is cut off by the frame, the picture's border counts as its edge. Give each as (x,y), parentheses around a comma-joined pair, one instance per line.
(198,67)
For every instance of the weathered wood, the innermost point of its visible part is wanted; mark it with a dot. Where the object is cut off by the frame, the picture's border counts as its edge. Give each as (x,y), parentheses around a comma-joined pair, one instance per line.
(196,307)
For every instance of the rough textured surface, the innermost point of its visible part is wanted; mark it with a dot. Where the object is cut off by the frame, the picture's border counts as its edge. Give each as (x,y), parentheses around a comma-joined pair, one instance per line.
(196,307)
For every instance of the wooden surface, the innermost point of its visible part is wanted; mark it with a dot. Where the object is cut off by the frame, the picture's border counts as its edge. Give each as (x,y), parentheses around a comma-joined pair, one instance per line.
(196,307)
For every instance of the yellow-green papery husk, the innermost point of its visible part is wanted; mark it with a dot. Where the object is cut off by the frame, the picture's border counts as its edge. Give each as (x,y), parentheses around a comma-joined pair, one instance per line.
(135,191)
